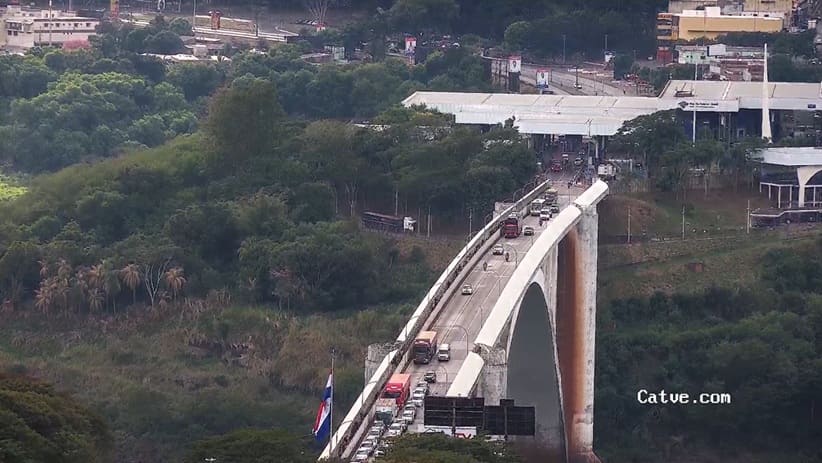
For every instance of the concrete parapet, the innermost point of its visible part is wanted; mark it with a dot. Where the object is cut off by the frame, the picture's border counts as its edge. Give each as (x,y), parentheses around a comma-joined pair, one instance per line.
(375,355)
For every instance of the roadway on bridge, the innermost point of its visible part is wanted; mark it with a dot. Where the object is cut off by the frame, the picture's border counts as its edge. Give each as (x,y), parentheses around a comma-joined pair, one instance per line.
(592,84)
(462,316)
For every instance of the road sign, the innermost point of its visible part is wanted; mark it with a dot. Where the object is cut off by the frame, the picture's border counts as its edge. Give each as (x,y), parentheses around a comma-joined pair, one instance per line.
(453,411)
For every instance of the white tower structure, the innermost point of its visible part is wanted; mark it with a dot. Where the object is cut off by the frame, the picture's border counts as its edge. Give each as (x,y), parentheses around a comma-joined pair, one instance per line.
(766,106)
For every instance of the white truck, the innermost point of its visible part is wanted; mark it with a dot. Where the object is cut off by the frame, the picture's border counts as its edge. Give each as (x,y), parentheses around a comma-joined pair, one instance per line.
(386,410)
(606,171)
(536,206)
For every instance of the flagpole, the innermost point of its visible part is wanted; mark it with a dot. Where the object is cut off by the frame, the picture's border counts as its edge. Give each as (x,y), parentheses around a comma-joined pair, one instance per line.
(331,412)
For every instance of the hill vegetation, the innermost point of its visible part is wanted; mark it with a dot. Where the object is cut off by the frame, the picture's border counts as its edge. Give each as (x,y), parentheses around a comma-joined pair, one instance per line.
(38,424)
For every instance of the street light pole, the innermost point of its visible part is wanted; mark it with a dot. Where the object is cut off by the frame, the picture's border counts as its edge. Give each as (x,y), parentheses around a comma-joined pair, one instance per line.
(563,48)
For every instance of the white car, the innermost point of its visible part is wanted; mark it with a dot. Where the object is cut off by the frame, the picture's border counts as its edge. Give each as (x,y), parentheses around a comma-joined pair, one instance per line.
(419,393)
(467,290)
(422,385)
(368,444)
(361,455)
(408,416)
(374,433)
(399,427)
(393,433)
(498,250)
(410,408)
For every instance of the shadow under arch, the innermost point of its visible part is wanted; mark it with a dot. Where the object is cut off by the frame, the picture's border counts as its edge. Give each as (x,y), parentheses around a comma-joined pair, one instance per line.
(532,371)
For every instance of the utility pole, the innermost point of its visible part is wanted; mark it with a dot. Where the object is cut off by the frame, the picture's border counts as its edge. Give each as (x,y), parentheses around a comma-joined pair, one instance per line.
(470,222)
(748,218)
(629,225)
(396,202)
(693,132)
(428,234)
(606,47)
(563,48)
(683,222)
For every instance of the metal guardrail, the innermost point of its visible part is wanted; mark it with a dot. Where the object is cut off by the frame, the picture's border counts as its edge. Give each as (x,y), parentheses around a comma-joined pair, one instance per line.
(362,405)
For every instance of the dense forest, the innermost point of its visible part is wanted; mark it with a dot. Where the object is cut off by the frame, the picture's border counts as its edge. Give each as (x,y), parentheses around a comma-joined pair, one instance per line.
(761,344)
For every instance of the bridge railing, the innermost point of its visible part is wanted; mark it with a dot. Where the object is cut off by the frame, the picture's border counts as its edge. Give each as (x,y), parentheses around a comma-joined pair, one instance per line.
(398,358)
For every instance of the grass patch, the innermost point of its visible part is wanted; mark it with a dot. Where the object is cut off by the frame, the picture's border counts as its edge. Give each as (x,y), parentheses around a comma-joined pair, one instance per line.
(10,188)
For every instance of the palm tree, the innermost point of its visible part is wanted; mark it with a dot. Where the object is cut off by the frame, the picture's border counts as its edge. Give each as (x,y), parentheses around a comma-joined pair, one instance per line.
(131,277)
(175,280)
(44,297)
(44,268)
(94,276)
(111,282)
(95,299)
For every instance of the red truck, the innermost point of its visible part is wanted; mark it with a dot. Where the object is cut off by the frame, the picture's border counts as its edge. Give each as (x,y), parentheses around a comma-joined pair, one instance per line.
(511,228)
(398,388)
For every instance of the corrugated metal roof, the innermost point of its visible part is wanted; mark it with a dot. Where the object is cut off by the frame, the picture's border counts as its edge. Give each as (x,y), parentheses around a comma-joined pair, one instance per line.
(794,157)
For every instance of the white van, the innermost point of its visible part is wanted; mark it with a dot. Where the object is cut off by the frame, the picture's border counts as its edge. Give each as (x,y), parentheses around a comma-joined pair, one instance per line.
(444,353)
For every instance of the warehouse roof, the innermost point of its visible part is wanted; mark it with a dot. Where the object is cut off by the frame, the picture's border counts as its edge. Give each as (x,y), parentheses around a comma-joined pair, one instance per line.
(604,115)
(791,156)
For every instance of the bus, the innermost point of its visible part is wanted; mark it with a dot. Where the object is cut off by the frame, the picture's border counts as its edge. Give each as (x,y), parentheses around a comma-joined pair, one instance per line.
(398,388)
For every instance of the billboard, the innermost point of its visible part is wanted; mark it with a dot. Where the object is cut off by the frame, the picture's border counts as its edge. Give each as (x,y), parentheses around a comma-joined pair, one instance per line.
(542,78)
(722,106)
(410,44)
(514,63)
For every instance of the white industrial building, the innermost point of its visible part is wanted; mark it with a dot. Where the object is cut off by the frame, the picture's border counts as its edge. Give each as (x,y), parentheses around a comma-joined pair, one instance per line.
(22,28)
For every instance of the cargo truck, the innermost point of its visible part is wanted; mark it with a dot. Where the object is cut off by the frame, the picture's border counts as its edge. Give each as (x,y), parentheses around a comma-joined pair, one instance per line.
(388,223)
(551,195)
(511,228)
(425,346)
(397,388)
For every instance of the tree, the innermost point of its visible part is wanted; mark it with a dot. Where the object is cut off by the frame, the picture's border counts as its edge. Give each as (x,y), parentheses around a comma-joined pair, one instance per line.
(416,16)
(242,119)
(331,152)
(443,449)
(38,424)
(175,280)
(132,277)
(251,446)
(648,137)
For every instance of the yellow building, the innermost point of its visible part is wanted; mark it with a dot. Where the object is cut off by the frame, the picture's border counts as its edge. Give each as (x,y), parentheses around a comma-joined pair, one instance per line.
(768,6)
(708,23)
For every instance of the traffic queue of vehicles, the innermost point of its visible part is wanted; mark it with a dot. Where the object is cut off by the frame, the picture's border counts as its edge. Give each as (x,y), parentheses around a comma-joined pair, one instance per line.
(397,405)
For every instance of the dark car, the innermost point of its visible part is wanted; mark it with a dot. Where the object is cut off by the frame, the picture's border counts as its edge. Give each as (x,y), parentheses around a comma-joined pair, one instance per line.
(430,377)
(528,231)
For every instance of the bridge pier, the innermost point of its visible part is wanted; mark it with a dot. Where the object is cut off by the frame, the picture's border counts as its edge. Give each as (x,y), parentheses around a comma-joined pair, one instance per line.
(581,432)
(492,383)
